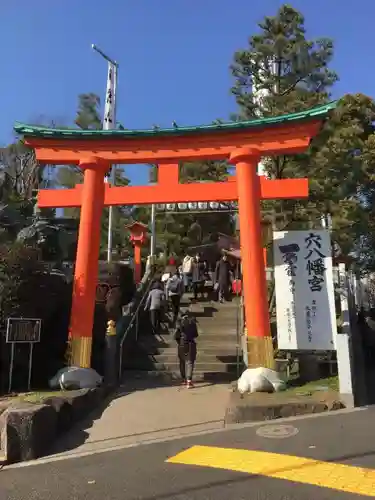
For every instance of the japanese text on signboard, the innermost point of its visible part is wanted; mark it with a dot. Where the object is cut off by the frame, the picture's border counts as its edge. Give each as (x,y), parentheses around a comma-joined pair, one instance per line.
(315,262)
(290,258)
(109,105)
(315,269)
(23,330)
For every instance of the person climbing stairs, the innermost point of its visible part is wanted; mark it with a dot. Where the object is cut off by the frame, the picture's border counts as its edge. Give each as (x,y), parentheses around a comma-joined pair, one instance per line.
(218,356)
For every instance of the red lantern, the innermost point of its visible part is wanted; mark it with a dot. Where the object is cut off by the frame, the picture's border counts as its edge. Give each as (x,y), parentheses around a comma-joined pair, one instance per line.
(138,237)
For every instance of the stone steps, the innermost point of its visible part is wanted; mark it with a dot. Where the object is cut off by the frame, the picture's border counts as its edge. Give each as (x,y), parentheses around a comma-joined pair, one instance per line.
(216,333)
(174,366)
(216,345)
(201,358)
(221,346)
(209,350)
(167,376)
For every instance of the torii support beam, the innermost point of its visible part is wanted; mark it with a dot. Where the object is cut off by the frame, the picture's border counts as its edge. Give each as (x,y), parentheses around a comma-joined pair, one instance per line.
(166,191)
(242,142)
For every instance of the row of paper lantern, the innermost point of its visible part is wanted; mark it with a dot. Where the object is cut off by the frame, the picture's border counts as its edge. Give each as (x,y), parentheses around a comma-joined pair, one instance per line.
(200,205)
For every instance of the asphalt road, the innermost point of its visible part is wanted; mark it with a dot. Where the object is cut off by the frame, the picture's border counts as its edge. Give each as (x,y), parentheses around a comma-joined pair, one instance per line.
(142,472)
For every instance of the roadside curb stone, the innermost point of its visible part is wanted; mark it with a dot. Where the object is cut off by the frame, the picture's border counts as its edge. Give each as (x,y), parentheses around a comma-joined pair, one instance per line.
(262,407)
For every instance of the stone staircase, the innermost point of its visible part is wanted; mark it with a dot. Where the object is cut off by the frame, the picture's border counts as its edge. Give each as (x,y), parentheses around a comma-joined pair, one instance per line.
(216,345)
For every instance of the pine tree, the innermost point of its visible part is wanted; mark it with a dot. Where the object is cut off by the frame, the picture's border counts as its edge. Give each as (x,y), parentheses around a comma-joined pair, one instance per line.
(365,221)
(281,72)
(88,116)
(289,71)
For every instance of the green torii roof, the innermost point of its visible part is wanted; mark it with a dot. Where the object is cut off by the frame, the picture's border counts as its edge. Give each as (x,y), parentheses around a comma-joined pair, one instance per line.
(319,112)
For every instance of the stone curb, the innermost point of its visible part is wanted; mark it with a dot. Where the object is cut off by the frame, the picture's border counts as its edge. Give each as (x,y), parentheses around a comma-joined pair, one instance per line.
(245,409)
(29,429)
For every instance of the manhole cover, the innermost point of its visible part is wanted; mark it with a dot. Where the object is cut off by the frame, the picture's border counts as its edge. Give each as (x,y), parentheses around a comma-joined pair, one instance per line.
(277,431)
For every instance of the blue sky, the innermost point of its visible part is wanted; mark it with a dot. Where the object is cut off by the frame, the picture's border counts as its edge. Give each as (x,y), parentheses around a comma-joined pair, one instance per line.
(174,56)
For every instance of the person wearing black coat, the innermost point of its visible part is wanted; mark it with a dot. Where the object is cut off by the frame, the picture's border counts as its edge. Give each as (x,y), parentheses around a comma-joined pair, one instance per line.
(185,335)
(199,272)
(222,278)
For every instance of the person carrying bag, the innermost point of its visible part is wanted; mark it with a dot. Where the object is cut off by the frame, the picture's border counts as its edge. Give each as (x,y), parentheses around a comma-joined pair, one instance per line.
(185,336)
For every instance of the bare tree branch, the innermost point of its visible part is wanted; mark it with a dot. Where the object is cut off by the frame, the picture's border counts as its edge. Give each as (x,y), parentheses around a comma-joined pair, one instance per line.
(21,169)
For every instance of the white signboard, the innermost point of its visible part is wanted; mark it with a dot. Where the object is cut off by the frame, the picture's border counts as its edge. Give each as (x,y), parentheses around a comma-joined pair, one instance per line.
(305,302)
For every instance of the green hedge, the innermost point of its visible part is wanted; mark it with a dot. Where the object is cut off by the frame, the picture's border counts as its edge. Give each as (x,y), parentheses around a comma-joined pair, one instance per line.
(29,289)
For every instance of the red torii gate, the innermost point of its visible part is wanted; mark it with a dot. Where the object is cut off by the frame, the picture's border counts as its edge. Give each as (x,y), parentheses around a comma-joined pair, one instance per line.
(243,143)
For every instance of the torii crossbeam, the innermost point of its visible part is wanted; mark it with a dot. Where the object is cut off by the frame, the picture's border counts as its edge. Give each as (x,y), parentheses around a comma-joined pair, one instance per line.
(169,190)
(243,143)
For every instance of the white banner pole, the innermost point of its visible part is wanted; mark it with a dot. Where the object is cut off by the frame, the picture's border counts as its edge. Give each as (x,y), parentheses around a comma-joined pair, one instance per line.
(109,123)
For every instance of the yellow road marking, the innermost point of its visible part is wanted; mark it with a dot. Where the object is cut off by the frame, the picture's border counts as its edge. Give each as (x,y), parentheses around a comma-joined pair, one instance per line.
(331,475)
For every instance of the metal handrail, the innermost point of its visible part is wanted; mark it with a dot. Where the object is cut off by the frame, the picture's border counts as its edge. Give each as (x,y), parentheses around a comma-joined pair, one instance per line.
(130,325)
(238,348)
(239,326)
(241,354)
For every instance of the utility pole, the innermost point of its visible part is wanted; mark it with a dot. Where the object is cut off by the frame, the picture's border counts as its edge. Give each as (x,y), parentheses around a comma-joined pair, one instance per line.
(153,230)
(109,123)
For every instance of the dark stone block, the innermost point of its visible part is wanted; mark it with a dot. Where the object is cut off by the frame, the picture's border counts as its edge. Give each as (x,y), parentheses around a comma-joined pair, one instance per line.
(27,431)
(309,368)
(63,410)
(74,405)
(80,405)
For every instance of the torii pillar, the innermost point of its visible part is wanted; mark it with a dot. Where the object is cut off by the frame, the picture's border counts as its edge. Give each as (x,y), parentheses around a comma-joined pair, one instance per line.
(86,268)
(260,349)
